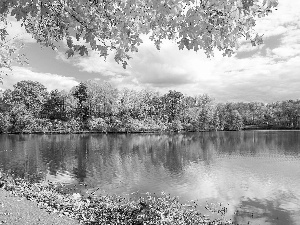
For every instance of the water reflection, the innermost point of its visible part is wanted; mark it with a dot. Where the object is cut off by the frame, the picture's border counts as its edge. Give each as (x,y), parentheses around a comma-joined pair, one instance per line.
(261,212)
(250,171)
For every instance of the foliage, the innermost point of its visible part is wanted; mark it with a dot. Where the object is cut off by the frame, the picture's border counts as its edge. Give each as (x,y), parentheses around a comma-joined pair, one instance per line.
(90,107)
(4,122)
(20,118)
(233,121)
(97,124)
(31,94)
(172,102)
(175,126)
(115,125)
(73,125)
(83,109)
(117,26)
(54,107)
(204,112)
(91,209)
(101,98)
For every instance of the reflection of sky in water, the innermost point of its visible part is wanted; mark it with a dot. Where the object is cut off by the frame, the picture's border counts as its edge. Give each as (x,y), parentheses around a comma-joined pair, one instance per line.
(267,187)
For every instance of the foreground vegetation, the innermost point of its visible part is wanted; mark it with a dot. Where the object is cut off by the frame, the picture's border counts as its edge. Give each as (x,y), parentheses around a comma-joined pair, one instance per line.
(106,209)
(98,107)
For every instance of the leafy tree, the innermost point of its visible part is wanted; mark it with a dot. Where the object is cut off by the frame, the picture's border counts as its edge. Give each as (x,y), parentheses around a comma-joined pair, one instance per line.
(204,108)
(220,116)
(125,103)
(3,105)
(156,108)
(101,98)
(82,110)
(233,119)
(54,107)
(143,103)
(31,94)
(255,109)
(20,118)
(118,25)
(9,50)
(290,113)
(4,122)
(173,105)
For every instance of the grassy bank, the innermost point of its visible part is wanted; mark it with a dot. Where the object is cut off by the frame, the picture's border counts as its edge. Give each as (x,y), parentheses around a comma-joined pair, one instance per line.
(105,209)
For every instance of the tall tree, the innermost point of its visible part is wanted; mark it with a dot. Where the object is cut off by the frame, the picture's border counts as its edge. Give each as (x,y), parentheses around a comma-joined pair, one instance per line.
(82,110)
(118,25)
(173,105)
(101,98)
(54,107)
(31,94)
(205,111)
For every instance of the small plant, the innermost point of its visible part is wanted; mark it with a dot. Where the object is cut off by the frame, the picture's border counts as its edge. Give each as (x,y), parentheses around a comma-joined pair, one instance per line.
(106,209)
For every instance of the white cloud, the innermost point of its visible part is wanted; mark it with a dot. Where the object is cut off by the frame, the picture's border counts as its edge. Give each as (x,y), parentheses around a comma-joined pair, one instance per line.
(50,81)
(17,32)
(265,73)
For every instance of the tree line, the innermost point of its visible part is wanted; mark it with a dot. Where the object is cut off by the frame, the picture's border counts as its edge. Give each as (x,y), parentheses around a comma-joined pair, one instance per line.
(99,107)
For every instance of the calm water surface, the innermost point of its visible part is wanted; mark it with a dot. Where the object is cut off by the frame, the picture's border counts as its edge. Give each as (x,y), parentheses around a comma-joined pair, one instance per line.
(254,174)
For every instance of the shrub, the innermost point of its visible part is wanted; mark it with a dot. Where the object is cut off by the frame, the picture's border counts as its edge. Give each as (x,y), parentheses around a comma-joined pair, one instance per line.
(72,125)
(97,124)
(175,126)
(4,122)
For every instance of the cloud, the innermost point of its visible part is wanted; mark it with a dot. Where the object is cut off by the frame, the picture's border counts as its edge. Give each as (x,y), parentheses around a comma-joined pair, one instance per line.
(17,32)
(267,73)
(50,81)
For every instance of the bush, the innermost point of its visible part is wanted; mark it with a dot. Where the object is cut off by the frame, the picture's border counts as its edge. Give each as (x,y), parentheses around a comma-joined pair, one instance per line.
(152,125)
(38,125)
(4,122)
(72,125)
(97,124)
(115,125)
(175,126)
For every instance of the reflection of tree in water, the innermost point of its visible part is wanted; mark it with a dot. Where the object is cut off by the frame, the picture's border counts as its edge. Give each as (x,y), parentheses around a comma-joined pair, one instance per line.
(82,152)
(19,155)
(173,157)
(258,210)
(53,152)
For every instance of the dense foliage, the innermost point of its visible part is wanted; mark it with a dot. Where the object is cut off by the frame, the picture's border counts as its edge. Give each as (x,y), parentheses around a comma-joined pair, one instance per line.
(98,107)
(117,26)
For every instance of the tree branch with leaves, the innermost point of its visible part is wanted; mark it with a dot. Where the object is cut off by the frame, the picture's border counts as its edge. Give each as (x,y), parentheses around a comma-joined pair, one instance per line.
(117,26)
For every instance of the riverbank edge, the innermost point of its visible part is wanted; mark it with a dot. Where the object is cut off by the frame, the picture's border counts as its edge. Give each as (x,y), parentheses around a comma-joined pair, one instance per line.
(16,210)
(104,209)
(247,128)
(62,131)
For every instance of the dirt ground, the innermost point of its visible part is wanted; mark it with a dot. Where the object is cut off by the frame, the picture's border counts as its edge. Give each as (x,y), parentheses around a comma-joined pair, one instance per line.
(19,211)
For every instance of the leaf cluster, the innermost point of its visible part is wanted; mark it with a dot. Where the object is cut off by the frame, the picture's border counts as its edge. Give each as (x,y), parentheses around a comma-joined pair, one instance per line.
(117,25)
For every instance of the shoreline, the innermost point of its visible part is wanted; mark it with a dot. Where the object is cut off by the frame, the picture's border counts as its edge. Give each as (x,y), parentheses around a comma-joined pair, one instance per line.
(246,128)
(109,209)
(15,210)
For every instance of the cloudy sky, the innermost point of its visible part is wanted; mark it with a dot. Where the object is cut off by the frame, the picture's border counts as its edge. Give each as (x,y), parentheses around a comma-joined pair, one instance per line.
(270,72)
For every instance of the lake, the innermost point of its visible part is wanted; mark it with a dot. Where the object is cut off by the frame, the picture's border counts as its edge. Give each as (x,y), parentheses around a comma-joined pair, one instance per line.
(254,174)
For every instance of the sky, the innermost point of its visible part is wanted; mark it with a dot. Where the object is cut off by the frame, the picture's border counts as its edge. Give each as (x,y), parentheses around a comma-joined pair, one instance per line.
(265,73)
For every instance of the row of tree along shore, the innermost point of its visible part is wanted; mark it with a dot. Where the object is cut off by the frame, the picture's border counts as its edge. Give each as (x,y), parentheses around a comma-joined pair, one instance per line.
(99,107)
